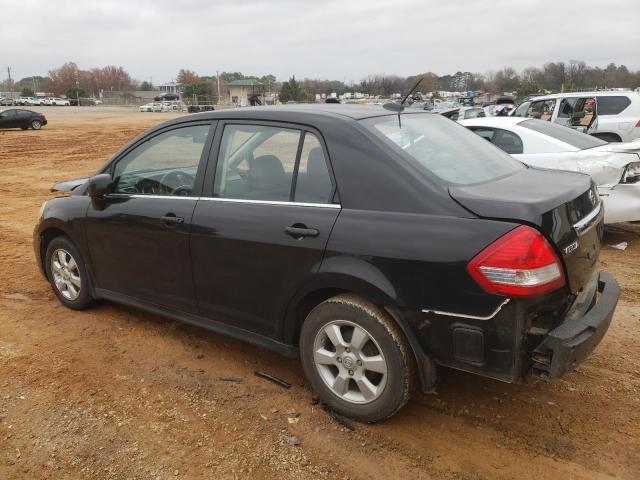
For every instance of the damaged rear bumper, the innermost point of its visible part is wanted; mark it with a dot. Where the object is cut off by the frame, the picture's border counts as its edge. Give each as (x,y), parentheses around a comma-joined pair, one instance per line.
(564,347)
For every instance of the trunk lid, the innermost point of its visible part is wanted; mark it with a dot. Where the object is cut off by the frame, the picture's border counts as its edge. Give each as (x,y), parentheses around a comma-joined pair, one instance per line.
(563,205)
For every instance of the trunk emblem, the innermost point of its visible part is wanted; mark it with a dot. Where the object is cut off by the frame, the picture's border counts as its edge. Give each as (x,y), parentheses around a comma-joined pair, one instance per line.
(570,248)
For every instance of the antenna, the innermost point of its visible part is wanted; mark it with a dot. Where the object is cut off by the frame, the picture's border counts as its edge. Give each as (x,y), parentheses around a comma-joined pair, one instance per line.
(412,90)
(399,107)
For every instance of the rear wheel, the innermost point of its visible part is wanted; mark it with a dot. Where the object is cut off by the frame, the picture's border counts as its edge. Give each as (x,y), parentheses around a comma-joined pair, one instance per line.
(36,124)
(67,273)
(356,358)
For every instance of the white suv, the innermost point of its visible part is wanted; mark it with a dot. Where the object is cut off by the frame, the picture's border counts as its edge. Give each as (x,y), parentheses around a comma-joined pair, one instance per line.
(613,116)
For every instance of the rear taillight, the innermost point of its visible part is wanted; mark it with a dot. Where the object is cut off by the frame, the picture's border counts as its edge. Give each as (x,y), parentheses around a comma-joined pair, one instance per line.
(521,263)
(638,124)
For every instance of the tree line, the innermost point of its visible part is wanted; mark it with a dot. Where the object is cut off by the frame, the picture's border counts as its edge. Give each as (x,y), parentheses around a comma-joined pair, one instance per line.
(552,76)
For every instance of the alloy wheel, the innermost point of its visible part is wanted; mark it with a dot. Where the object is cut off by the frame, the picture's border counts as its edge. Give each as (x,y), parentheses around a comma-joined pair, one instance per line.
(66,274)
(350,361)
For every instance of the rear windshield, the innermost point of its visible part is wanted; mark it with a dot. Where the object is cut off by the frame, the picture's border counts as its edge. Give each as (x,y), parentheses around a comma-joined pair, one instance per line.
(564,134)
(443,149)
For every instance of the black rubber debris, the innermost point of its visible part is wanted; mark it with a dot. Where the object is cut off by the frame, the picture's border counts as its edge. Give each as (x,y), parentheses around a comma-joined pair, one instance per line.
(341,419)
(272,379)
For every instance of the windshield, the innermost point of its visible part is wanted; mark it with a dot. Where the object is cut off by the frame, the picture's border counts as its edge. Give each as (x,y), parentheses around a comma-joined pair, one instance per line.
(521,111)
(564,134)
(443,149)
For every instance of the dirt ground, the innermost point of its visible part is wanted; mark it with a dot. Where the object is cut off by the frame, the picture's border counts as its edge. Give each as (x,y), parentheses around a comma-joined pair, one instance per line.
(115,393)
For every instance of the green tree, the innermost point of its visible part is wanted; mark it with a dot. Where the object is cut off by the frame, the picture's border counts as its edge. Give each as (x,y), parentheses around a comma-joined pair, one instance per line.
(146,86)
(526,89)
(197,88)
(76,93)
(291,91)
(27,92)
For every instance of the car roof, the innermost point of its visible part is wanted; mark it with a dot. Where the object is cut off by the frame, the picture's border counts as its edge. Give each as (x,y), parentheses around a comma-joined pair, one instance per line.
(285,112)
(603,93)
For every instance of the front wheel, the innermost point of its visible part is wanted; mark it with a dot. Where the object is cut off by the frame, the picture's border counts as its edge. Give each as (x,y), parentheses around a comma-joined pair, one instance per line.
(36,124)
(67,273)
(357,359)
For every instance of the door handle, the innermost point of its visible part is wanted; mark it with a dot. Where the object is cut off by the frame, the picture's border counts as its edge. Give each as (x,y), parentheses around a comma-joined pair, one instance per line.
(301,231)
(170,219)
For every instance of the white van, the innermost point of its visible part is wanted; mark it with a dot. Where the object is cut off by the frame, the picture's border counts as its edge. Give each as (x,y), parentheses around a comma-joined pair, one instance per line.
(612,116)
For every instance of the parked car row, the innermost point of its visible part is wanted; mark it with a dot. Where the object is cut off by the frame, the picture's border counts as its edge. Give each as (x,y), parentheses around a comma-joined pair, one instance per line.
(166,106)
(376,244)
(48,101)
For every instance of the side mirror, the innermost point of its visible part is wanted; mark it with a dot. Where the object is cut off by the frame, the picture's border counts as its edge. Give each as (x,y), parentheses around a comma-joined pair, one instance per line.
(100,185)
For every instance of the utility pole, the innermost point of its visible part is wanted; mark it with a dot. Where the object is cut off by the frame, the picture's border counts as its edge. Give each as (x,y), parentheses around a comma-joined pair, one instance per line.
(10,84)
(218,89)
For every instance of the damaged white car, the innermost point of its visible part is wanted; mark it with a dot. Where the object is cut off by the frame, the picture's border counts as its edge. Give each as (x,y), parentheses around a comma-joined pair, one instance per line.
(614,167)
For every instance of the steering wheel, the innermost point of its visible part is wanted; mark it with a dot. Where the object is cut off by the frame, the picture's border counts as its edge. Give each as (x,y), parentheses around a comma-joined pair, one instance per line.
(177,182)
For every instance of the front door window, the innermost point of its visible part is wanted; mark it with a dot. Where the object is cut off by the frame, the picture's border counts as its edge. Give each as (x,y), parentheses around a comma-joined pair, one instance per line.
(164,165)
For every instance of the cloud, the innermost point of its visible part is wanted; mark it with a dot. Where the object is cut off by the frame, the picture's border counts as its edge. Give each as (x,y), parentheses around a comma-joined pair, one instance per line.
(337,39)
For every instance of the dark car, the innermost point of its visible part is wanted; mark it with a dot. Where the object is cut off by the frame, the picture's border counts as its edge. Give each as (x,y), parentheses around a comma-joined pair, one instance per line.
(167,97)
(19,118)
(373,245)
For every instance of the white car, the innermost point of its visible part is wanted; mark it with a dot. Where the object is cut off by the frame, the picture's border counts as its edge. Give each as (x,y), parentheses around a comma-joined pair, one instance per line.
(614,167)
(59,102)
(151,107)
(612,116)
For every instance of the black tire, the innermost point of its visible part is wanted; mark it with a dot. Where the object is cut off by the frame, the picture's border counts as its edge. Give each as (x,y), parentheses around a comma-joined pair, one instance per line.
(84,298)
(385,337)
(608,137)
(36,124)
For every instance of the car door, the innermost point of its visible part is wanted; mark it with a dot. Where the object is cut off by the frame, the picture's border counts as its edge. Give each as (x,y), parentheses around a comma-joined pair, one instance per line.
(8,119)
(260,230)
(138,236)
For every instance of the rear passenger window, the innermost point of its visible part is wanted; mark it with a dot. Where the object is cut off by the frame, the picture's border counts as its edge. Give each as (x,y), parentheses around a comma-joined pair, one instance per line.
(508,141)
(256,162)
(313,184)
(612,105)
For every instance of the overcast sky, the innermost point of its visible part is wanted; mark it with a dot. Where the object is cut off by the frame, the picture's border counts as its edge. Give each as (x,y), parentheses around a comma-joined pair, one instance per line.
(336,39)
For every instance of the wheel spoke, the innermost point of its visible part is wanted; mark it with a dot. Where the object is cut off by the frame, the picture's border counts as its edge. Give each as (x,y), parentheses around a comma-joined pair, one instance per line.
(375,364)
(324,357)
(62,258)
(367,389)
(341,384)
(335,335)
(359,338)
(75,280)
(71,264)
(56,266)
(71,289)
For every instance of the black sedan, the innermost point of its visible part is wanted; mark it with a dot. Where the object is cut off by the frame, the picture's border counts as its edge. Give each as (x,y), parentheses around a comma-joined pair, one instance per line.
(19,118)
(374,245)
